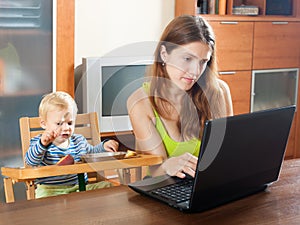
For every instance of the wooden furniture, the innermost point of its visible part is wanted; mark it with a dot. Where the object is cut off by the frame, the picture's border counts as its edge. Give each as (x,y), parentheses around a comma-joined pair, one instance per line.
(29,174)
(276,44)
(247,43)
(262,5)
(190,6)
(240,88)
(279,204)
(252,47)
(65,45)
(86,124)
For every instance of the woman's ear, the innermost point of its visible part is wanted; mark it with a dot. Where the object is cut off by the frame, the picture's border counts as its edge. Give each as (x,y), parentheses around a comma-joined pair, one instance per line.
(163,53)
(43,123)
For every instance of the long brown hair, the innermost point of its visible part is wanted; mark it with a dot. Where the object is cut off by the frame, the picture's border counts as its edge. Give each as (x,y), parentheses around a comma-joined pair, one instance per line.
(205,98)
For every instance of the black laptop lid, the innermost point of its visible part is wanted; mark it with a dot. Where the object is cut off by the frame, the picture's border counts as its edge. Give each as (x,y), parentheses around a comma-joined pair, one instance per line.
(240,155)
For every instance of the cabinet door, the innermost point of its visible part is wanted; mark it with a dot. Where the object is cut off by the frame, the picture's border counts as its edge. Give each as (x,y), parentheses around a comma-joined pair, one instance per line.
(276,45)
(239,83)
(234,45)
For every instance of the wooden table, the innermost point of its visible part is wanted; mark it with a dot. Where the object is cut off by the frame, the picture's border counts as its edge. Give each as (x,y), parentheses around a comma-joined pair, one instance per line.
(29,174)
(279,205)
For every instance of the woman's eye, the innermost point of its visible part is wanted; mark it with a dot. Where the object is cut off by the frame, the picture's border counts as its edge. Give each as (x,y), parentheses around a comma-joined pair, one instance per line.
(203,62)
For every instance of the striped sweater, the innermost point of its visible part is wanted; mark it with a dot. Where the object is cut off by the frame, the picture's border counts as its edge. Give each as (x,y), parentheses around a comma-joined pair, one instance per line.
(39,155)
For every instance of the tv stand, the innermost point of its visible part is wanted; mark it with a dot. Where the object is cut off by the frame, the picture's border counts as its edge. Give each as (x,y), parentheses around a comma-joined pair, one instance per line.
(109,134)
(125,139)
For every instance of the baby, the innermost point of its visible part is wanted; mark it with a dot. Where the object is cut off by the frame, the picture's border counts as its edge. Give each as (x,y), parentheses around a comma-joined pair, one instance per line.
(57,113)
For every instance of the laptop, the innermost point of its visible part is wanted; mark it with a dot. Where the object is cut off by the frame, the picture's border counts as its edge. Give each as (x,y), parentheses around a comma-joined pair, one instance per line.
(239,156)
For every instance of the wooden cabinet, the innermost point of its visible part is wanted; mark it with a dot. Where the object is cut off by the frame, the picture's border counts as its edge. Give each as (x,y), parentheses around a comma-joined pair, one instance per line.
(234,55)
(190,6)
(283,7)
(239,83)
(276,45)
(234,44)
(185,7)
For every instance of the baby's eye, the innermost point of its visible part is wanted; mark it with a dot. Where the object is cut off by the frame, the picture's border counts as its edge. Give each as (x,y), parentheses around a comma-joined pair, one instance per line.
(187,58)
(70,123)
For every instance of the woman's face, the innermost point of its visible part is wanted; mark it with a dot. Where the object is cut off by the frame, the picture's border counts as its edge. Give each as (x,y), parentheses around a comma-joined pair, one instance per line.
(186,63)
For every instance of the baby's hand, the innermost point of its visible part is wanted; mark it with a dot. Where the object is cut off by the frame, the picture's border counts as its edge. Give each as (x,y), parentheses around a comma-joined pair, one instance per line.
(111,146)
(48,137)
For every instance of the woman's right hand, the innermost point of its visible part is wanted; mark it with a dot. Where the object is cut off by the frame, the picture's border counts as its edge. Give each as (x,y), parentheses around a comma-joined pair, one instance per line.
(181,165)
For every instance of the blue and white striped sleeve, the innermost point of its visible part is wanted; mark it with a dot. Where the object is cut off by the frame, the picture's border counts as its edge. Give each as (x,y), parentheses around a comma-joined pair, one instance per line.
(35,152)
(97,148)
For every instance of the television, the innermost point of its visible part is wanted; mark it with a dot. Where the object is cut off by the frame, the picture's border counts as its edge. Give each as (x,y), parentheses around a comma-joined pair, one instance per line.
(106,84)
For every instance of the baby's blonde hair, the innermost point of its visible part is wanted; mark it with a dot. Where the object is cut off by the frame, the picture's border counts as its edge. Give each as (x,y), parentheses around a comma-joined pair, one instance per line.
(56,100)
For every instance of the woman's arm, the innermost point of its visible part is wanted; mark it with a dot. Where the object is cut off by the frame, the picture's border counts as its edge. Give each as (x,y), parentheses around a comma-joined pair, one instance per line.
(149,141)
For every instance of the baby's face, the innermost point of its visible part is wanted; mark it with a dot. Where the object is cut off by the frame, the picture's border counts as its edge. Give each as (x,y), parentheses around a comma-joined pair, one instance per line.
(62,121)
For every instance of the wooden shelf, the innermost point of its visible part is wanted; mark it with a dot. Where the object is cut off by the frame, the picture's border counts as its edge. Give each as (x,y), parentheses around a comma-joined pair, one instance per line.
(190,7)
(250,18)
(109,134)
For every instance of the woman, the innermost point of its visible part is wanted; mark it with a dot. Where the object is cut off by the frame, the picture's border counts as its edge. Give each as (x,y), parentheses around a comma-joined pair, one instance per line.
(169,111)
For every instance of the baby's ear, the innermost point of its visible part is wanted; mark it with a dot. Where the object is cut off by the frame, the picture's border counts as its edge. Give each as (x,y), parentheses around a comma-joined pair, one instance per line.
(43,124)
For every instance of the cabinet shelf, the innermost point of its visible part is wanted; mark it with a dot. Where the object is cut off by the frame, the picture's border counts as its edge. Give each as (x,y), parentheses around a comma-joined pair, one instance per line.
(287,8)
(250,18)
(265,7)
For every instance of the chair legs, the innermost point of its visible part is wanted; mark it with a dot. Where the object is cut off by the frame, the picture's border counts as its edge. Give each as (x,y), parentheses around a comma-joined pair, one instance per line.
(8,189)
(125,175)
(30,190)
(138,173)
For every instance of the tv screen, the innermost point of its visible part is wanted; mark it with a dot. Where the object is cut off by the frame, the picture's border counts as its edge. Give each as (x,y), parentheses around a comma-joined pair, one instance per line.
(118,83)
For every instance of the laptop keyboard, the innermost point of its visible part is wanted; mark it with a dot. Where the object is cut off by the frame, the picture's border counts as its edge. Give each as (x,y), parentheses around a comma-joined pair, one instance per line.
(178,192)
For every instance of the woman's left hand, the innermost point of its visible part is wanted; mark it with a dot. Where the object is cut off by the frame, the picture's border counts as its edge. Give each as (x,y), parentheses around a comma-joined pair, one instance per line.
(181,165)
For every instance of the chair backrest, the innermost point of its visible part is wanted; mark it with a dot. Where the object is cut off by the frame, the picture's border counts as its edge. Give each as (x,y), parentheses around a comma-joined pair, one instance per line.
(86,124)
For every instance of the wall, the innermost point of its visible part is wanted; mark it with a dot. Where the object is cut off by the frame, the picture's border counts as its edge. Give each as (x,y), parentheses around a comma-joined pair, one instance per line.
(104,25)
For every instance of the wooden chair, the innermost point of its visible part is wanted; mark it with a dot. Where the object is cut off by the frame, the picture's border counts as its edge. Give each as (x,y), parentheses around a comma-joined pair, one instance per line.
(86,125)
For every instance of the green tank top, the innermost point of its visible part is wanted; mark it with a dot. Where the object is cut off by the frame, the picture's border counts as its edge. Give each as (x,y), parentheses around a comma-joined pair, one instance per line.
(172,147)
